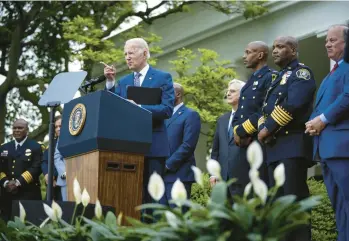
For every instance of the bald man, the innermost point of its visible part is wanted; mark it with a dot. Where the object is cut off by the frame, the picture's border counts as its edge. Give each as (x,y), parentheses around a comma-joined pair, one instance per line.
(329,124)
(183,130)
(245,123)
(287,107)
(20,168)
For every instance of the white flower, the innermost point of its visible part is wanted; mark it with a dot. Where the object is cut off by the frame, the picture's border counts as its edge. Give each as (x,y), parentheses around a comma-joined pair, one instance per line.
(214,168)
(54,212)
(85,198)
(77,191)
(172,219)
(198,175)
(178,192)
(22,212)
(119,219)
(98,210)
(247,190)
(253,174)
(156,186)
(255,155)
(279,175)
(260,189)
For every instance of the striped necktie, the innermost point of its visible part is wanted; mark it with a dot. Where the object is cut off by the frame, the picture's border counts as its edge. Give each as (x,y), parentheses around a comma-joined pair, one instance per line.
(137,81)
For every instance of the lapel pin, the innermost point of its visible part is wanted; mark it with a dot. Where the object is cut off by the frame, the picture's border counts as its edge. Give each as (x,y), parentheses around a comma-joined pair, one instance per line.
(149,77)
(179,113)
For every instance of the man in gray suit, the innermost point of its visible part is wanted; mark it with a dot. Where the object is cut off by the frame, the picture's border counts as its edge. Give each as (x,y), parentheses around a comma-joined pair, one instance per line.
(223,148)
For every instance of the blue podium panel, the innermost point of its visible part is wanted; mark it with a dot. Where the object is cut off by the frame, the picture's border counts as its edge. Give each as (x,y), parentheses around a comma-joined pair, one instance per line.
(104,121)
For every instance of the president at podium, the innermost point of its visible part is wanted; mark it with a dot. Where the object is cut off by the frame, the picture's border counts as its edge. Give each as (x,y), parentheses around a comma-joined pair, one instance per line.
(136,55)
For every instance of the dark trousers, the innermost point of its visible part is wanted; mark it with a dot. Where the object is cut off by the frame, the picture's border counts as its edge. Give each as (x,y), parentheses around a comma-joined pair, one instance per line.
(295,184)
(165,200)
(151,165)
(336,179)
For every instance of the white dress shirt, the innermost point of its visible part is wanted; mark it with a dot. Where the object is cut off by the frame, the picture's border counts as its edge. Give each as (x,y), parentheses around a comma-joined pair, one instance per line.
(143,72)
(231,118)
(177,107)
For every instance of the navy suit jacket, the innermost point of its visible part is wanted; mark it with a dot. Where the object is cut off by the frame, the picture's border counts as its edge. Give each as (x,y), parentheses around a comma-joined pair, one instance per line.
(154,79)
(183,130)
(230,157)
(332,100)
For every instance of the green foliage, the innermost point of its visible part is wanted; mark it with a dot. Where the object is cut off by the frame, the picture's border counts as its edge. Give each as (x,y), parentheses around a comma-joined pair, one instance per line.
(205,85)
(322,216)
(201,195)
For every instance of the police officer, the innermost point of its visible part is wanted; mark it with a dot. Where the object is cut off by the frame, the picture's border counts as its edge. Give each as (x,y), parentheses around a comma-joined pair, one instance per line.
(287,107)
(251,100)
(20,168)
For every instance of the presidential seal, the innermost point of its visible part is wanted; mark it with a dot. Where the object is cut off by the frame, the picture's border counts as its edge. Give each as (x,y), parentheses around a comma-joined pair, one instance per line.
(77,119)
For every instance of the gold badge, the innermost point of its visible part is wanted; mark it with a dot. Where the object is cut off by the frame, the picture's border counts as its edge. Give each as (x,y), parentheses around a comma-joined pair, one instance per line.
(273,77)
(28,152)
(77,119)
(303,74)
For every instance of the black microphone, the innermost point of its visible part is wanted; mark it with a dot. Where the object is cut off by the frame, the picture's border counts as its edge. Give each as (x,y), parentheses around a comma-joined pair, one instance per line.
(97,80)
(346,49)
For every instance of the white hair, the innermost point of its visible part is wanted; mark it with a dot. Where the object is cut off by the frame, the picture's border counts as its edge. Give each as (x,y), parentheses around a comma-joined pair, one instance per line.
(237,82)
(141,43)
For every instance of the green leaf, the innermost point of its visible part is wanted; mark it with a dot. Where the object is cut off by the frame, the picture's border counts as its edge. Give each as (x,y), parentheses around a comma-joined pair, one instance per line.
(219,193)
(110,220)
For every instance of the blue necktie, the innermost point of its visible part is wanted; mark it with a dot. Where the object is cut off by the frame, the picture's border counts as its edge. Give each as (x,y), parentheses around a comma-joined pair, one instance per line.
(137,81)
(230,127)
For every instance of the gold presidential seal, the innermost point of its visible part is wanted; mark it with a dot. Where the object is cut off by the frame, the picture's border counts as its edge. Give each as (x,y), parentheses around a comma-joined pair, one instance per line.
(77,119)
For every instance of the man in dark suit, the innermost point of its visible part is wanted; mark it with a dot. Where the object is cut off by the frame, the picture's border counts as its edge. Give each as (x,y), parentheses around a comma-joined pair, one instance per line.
(223,148)
(329,124)
(20,168)
(44,165)
(136,55)
(183,130)
(287,107)
(245,123)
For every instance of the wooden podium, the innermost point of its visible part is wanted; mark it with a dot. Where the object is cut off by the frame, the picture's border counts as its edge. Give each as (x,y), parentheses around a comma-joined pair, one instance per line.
(103,139)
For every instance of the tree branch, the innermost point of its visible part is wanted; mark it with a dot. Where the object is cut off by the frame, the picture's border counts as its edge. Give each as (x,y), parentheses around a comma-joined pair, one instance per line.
(40,132)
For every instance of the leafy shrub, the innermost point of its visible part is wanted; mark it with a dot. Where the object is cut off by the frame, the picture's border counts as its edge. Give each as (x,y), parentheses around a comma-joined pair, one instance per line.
(322,216)
(201,195)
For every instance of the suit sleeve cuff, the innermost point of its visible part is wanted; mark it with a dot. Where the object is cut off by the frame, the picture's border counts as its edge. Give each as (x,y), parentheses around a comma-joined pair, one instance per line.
(324,119)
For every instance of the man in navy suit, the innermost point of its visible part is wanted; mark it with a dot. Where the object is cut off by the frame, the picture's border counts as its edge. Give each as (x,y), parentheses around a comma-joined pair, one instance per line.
(224,149)
(183,130)
(136,55)
(329,124)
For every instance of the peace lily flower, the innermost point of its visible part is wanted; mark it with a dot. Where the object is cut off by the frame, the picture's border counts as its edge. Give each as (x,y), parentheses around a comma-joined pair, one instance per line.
(85,198)
(156,186)
(178,192)
(255,155)
(198,175)
(279,175)
(77,191)
(260,189)
(172,219)
(119,219)
(247,190)
(253,174)
(98,210)
(22,213)
(214,168)
(54,212)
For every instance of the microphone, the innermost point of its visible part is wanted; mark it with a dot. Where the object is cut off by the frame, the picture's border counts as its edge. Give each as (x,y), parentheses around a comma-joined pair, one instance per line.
(97,80)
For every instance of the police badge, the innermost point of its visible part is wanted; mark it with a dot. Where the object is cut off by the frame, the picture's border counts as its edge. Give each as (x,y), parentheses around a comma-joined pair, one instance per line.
(77,119)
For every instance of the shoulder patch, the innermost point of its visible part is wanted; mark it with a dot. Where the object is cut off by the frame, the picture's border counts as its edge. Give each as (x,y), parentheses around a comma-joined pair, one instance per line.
(303,74)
